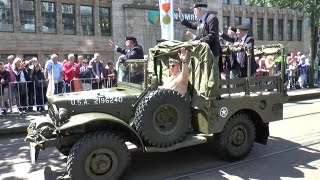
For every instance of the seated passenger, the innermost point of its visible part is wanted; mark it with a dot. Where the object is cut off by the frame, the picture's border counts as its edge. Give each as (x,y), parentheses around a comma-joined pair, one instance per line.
(136,74)
(178,80)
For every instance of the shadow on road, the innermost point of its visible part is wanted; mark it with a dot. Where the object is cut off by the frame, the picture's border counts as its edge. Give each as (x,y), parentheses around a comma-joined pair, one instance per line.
(284,162)
(280,158)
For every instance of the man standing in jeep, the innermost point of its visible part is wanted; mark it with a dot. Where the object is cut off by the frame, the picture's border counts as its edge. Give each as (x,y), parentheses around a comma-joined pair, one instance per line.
(207,29)
(241,57)
(178,80)
(134,50)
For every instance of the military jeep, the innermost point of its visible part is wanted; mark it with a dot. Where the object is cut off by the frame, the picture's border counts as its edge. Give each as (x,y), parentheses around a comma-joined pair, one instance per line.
(96,128)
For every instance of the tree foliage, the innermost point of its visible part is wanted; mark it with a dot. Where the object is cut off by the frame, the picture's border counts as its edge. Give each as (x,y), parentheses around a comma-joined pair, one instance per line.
(307,7)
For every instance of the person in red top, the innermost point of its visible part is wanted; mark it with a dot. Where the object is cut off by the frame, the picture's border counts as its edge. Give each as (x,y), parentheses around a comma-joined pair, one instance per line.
(71,71)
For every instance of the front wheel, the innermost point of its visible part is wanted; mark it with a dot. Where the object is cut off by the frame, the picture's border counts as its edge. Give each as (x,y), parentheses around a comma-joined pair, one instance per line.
(98,156)
(236,139)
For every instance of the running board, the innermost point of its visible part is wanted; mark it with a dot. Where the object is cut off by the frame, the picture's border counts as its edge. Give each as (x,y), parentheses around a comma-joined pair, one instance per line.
(189,141)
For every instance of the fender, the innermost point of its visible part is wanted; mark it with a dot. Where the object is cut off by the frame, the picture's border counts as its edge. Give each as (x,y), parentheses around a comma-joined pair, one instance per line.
(84,118)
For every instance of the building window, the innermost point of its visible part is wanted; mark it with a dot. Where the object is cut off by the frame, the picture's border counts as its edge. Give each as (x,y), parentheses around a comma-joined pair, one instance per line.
(247,3)
(237,2)
(237,21)
(88,56)
(29,56)
(248,22)
(225,2)
(299,30)
(3,58)
(270,29)
(290,30)
(46,57)
(6,20)
(86,13)
(27,16)
(260,28)
(259,4)
(48,16)
(280,29)
(68,18)
(225,23)
(104,21)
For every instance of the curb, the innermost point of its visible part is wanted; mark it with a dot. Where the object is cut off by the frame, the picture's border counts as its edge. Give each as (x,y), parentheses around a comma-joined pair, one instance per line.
(302,97)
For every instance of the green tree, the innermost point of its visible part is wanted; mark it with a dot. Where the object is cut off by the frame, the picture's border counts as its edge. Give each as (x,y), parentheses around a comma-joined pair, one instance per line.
(311,10)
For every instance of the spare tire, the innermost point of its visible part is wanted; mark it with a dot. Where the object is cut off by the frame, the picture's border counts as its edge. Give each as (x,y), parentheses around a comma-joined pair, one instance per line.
(163,118)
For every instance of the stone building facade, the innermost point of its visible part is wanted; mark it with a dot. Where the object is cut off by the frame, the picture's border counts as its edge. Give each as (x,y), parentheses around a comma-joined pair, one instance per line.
(138,18)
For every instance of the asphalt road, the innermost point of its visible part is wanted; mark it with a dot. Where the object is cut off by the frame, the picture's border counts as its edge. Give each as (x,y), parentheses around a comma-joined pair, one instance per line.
(293,152)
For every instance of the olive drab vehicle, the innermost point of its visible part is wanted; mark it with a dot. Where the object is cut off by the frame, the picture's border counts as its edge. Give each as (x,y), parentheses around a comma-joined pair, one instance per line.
(95,128)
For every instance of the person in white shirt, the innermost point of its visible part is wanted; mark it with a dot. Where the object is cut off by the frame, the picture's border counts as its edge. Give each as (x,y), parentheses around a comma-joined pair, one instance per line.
(179,73)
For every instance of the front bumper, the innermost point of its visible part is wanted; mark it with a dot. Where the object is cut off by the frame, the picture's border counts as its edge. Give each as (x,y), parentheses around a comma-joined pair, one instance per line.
(38,135)
(43,134)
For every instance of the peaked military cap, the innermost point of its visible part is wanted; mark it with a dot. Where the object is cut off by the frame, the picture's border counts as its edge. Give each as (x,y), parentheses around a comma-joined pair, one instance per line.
(196,5)
(233,29)
(174,61)
(131,38)
(243,27)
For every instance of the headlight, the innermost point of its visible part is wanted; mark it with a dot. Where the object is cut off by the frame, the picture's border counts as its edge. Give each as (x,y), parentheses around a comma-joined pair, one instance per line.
(63,114)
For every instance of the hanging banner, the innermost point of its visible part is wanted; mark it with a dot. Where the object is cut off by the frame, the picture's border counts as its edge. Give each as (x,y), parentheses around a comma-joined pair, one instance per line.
(166,19)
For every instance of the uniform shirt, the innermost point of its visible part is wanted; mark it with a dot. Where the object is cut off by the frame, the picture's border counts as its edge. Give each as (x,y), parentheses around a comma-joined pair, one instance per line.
(135,53)
(179,82)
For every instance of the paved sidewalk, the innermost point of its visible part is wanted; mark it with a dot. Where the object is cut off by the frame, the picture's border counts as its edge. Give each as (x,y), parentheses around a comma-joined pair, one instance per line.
(15,123)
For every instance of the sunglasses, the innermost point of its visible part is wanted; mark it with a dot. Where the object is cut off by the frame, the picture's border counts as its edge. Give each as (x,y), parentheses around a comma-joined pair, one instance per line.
(85,62)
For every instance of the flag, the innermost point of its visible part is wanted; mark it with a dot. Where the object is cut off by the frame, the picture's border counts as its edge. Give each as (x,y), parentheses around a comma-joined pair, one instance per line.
(166,19)
(50,90)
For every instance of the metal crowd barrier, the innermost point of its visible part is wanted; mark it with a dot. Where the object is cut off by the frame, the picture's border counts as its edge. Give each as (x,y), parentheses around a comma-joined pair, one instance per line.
(300,78)
(27,95)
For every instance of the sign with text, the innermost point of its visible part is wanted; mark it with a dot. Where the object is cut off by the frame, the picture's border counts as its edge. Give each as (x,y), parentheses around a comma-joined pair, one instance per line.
(154,16)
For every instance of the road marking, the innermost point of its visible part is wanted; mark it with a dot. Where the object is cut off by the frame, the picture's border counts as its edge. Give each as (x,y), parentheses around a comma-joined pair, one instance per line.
(306,144)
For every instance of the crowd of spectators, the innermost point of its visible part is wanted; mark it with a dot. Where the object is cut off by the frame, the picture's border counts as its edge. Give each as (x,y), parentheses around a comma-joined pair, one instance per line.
(297,64)
(25,82)
(297,69)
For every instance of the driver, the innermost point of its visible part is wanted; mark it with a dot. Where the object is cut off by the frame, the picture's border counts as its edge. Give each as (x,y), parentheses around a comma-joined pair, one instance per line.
(179,73)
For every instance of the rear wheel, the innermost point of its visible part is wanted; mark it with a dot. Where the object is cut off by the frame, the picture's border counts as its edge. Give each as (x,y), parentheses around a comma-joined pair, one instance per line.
(98,156)
(236,139)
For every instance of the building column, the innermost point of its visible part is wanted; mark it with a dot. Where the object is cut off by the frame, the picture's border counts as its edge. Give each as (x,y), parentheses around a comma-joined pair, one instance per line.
(244,14)
(285,27)
(59,24)
(16,17)
(294,26)
(231,15)
(265,25)
(254,25)
(78,18)
(275,32)
(96,18)
(37,10)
